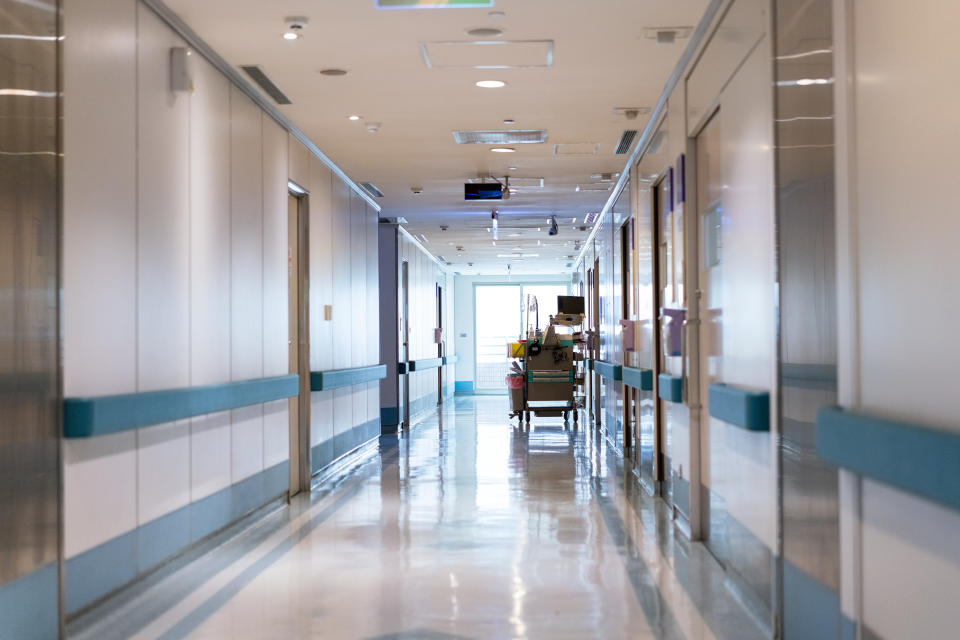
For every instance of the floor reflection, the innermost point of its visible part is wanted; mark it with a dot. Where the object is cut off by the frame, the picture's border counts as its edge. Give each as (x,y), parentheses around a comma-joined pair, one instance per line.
(471,526)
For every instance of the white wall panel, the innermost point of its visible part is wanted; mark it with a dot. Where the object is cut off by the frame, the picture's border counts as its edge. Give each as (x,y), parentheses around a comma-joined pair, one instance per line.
(209,226)
(276,433)
(99,213)
(342,299)
(247,442)
(905,84)
(275,274)
(99,490)
(911,564)
(299,163)
(246,298)
(321,417)
(163,469)
(210,454)
(321,266)
(163,214)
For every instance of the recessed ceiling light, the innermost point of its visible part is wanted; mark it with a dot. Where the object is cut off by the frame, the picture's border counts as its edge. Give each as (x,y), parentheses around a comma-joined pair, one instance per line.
(496,14)
(502,150)
(491,84)
(511,168)
(485,32)
(354,118)
(509,121)
(333,72)
(295,27)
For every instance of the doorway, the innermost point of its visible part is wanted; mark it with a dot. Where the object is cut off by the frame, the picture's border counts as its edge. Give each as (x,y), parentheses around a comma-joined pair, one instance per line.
(405,341)
(501,316)
(665,294)
(298,342)
(631,396)
(439,339)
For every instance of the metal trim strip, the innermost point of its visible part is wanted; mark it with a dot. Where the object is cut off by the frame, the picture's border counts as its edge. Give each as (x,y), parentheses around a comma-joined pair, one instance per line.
(101,415)
(337,378)
(913,458)
(197,43)
(740,407)
(451,359)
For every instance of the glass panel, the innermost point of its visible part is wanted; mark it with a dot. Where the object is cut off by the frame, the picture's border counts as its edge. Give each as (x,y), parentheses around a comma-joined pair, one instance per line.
(498,321)
(546,295)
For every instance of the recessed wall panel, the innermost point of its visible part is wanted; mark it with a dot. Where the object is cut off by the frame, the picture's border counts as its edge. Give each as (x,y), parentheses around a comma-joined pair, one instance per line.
(210,251)
(163,209)
(99,214)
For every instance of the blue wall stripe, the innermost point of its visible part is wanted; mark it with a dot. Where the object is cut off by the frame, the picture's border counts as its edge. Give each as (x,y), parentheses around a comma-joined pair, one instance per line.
(811,609)
(608,370)
(425,363)
(463,386)
(740,407)
(389,415)
(322,454)
(105,568)
(451,359)
(161,538)
(338,378)
(911,457)
(638,378)
(28,605)
(87,417)
(670,387)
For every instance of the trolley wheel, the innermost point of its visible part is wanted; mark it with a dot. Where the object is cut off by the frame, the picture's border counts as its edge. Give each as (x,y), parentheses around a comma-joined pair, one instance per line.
(528,416)
(576,415)
(566,416)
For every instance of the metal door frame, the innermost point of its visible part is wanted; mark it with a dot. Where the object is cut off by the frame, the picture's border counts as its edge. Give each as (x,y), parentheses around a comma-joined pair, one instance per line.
(300,430)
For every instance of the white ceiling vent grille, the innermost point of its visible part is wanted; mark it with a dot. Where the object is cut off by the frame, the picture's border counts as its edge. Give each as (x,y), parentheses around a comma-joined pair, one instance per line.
(372,189)
(488,54)
(574,149)
(626,140)
(520,136)
(526,183)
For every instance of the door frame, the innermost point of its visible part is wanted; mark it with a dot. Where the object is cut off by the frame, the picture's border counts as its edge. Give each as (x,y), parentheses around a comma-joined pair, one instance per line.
(298,232)
(405,340)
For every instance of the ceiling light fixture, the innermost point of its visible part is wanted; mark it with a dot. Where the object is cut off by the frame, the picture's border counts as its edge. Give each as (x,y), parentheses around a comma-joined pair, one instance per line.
(354,118)
(485,32)
(511,168)
(502,150)
(333,71)
(295,27)
(491,84)
(509,121)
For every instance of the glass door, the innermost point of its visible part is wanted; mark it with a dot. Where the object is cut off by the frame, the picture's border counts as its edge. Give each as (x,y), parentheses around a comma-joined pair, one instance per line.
(498,320)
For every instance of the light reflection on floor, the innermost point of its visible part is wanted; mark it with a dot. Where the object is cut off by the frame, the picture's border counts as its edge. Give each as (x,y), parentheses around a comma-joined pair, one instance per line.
(471,527)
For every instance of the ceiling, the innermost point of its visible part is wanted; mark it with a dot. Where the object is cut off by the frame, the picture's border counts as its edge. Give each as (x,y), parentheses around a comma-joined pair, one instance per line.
(602,59)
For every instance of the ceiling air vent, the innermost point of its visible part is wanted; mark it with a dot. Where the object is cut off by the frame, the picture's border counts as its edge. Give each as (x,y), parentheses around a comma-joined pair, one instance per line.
(371,189)
(626,140)
(257,75)
(519,136)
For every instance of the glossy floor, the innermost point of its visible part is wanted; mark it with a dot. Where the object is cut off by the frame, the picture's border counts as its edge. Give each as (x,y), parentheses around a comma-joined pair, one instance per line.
(471,527)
